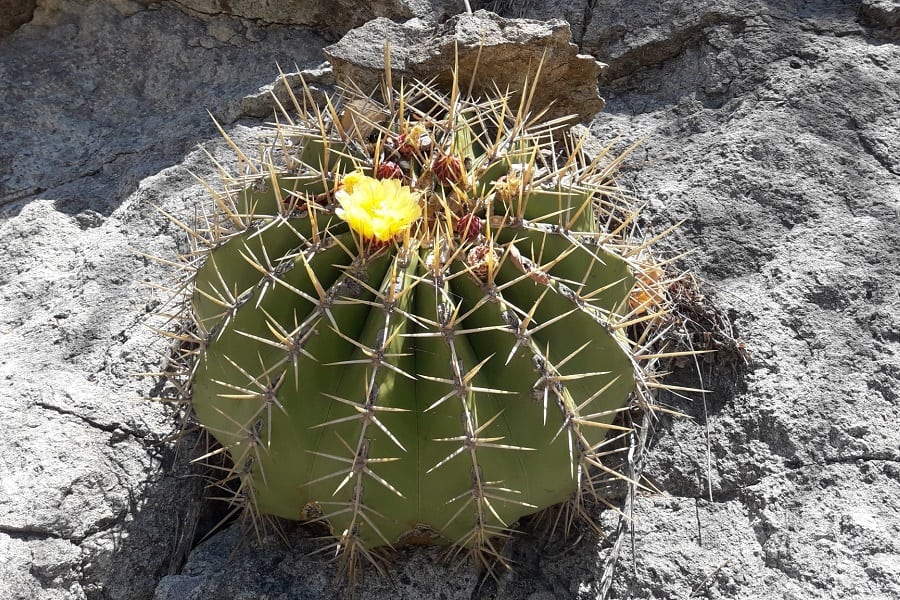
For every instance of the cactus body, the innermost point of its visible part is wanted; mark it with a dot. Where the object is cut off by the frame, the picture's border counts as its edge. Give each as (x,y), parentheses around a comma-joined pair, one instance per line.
(433,383)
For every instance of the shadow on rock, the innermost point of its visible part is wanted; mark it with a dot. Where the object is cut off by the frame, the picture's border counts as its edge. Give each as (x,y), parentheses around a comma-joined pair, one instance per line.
(165,517)
(104,96)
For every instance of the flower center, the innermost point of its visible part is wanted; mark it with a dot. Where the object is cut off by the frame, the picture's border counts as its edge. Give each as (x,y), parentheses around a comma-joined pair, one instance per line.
(376,209)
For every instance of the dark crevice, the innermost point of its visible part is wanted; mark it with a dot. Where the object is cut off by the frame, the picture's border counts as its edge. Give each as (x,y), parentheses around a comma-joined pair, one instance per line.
(113,523)
(872,151)
(31,534)
(196,12)
(17,195)
(578,37)
(854,458)
(332,30)
(262,23)
(105,427)
(807,26)
(99,168)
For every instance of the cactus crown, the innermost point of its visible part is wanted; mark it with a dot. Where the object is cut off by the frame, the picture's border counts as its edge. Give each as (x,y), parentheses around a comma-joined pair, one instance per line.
(413,319)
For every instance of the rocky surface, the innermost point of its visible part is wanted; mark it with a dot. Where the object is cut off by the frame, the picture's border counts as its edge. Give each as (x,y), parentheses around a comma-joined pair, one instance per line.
(335,17)
(485,46)
(14,13)
(100,110)
(771,128)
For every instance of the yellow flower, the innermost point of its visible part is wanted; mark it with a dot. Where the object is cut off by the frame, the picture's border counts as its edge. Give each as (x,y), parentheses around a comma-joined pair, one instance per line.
(376,209)
(351,180)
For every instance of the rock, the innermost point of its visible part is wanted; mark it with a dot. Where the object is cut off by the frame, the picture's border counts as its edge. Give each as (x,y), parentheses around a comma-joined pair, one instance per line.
(49,13)
(881,13)
(335,17)
(14,13)
(574,12)
(787,178)
(627,37)
(39,568)
(269,570)
(772,130)
(93,503)
(419,51)
(274,97)
(78,105)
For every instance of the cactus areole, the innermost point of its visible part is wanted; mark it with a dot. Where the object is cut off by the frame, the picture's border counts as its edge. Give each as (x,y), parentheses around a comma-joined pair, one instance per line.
(412,327)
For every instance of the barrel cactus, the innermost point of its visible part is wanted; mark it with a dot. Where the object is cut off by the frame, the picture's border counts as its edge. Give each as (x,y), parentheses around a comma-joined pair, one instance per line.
(409,319)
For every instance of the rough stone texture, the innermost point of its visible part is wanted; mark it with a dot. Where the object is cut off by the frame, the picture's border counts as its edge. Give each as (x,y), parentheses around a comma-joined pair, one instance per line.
(94,110)
(881,13)
(334,16)
(96,98)
(625,35)
(421,51)
(772,128)
(628,37)
(14,13)
(228,568)
(272,97)
(775,135)
(574,12)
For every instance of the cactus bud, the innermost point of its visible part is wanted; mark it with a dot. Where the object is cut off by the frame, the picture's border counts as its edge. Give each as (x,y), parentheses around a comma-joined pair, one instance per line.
(469,227)
(447,168)
(389,170)
(648,292)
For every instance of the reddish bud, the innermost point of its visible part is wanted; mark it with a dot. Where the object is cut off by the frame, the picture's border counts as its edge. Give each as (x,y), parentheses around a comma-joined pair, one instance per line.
(469,227)
(389,170)
(447,168)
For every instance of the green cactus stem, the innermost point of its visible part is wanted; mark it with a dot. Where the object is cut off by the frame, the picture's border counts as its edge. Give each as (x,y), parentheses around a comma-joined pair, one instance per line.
(413,327)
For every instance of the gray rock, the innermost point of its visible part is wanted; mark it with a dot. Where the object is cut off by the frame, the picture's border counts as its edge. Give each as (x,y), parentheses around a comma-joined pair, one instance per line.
(575,12)
(420,51)
(627,37)
(234,565)
(273,97)
(772,130)
(93,504)
(774,138)
(335,17)
(881,13)
(110,115)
